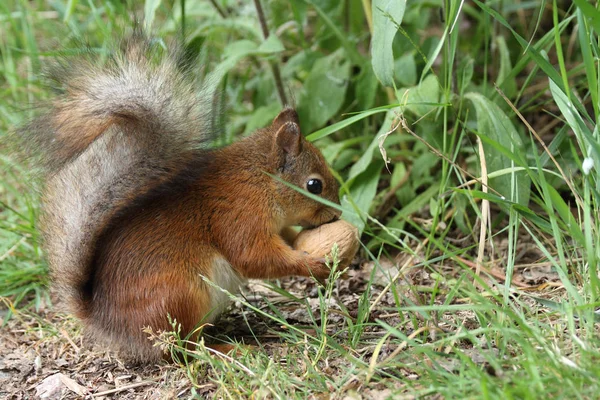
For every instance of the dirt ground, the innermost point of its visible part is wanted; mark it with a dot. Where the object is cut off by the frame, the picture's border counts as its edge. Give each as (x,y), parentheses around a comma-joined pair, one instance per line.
(43,354)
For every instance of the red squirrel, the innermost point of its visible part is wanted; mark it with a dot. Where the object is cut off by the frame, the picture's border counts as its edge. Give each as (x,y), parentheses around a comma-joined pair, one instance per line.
(136,208)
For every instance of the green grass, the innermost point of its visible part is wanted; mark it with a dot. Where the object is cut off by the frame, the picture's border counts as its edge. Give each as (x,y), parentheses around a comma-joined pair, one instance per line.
(509,86)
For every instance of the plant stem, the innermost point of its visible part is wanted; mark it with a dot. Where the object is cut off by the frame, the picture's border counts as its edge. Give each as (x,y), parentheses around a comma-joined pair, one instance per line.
(274,66)
(219,9)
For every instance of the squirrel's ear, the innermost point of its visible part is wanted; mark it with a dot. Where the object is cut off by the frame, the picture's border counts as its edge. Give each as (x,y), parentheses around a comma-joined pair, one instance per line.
(288,138)
(287,115)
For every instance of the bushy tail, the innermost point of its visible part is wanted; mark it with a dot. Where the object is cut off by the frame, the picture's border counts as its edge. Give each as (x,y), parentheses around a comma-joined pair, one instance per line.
(117,130)
(146,91)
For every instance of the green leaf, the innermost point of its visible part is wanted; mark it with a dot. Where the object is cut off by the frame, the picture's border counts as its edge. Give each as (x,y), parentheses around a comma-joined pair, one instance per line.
(564,212)
(493,123)
(505,80)
(417,203)
(364,176)
(434,55)
(239,49)
(399,173)
(422,98)
(563,307)
(387,17)
(271,45)
(299,10)
(236,51)
(366,88)
(332,150)
(539,221)
(465,74)
(328,130)
(71,5)
(150,7)
(324,91)
(362,193)
(349,47)
(589,11)
(365,160)
(585,44)
(534,52)
(231,54)
(262,117)
(405,70)
(588,144)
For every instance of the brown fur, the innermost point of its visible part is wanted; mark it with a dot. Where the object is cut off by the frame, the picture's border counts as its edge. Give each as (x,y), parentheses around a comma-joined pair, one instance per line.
(135,213)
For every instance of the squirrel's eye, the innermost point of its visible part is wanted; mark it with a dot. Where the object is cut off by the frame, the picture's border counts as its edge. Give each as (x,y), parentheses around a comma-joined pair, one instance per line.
(315,186)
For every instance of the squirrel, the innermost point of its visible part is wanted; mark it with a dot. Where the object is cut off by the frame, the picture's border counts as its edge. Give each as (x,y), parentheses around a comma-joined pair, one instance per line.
(136,208)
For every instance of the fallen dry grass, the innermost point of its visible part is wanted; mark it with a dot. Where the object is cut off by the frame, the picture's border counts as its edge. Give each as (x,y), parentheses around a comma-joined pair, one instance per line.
(44,353)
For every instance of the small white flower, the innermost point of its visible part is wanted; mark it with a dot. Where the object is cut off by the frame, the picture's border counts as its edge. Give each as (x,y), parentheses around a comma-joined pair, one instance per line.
(587,166)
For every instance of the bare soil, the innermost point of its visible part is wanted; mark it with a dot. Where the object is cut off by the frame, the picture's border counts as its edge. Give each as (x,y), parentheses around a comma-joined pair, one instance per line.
(43,354)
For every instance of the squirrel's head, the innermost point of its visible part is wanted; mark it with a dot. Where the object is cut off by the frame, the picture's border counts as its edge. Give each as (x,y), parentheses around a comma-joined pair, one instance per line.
(301,164)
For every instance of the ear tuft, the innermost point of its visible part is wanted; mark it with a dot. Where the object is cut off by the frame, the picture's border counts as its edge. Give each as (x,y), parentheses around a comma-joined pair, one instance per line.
(288,138)
(288,114)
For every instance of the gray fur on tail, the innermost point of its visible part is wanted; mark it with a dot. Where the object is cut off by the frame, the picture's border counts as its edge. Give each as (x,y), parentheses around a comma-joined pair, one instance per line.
(116,130)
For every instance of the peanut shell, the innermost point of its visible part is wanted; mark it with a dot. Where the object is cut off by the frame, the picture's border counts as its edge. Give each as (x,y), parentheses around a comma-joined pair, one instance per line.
(318,241)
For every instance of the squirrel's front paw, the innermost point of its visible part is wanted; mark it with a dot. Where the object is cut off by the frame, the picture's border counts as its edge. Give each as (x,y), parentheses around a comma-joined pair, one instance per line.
(318,269)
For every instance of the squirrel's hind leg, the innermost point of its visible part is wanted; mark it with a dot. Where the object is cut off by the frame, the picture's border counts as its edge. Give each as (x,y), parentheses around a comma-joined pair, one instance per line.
(162,302)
